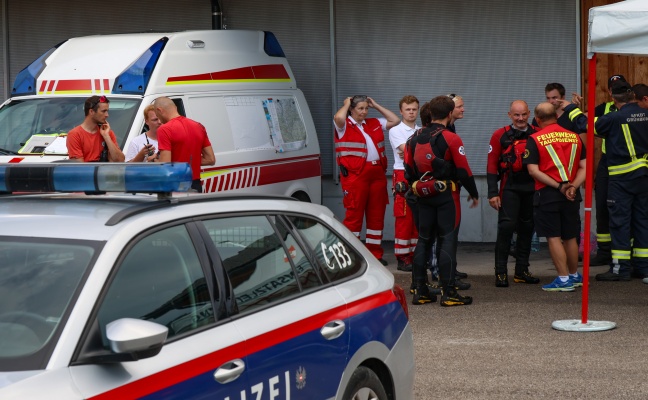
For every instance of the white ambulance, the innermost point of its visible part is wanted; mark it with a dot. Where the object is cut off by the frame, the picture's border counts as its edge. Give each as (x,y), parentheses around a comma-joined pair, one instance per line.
(238,84)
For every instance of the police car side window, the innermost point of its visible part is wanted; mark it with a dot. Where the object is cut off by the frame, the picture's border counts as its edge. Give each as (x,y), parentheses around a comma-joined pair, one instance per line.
(337,258)
(253,255)
(160,280)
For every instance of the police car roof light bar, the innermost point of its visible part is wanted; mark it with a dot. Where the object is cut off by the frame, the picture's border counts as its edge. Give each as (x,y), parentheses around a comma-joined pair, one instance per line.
(161,178)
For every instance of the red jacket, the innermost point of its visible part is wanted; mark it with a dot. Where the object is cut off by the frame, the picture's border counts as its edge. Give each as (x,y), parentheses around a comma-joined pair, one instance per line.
(559,152)
(351,149)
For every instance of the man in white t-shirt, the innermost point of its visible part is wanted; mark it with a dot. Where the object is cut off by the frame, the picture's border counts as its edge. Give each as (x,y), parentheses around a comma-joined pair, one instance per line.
(405,233)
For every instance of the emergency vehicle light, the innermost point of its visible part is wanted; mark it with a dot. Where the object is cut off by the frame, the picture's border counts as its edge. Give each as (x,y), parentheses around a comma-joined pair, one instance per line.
(135,78)
(96,177)
(25,82)
(271,45)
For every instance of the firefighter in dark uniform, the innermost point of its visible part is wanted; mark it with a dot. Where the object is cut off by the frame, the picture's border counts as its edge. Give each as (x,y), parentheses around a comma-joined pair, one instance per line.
(626,145)
(435,165)
(603,238)
(513,200)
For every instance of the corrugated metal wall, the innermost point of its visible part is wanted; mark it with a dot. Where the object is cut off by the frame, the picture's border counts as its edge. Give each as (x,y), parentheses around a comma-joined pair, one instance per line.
(490,53)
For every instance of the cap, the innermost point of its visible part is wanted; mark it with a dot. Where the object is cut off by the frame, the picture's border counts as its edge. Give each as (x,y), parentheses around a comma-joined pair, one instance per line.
(620,87)
(615,78)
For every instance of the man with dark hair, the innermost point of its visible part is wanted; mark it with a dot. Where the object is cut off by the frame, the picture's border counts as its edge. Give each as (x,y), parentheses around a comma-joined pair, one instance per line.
(513,200)
(435,167)
(641,94)
(93,140)
(555,158)
(626,144)
(569,115)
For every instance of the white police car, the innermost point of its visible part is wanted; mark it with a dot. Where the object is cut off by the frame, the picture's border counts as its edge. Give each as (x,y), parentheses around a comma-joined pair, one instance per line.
(187,296)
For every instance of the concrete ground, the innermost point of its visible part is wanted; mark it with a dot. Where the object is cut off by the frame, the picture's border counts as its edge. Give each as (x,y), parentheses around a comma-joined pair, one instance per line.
(503,346)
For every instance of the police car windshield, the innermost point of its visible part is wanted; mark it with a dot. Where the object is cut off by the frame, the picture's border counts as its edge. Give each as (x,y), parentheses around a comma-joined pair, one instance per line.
(39,278)
(23,118)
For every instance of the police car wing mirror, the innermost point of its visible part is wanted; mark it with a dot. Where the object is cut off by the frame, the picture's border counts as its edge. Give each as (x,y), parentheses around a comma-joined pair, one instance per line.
(141,338)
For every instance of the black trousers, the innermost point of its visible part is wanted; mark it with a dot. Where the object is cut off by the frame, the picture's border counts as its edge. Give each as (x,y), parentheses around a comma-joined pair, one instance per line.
(516,214)
(439,218)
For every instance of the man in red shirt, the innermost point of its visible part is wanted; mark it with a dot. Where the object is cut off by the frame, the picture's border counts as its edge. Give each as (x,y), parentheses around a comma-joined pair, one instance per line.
(181,139)
(555,158)
(93,140)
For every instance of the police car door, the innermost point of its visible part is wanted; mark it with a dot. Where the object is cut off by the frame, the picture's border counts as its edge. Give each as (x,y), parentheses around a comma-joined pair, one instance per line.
(161,279)
(296,336)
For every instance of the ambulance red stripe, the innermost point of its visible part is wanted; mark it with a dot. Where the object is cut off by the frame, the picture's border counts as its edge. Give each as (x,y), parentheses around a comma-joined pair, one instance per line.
(270,71)
(206,363)
(74,84)
(264,173)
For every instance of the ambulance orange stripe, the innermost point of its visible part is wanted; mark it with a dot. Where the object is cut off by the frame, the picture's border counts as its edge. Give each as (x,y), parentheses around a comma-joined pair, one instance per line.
(207,363)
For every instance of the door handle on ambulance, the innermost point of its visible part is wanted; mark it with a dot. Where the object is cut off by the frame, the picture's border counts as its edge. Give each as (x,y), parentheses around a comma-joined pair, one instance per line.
(333,329)
(229,371)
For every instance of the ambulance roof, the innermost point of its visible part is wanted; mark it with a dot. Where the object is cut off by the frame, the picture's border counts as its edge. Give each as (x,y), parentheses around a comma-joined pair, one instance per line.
(153,63)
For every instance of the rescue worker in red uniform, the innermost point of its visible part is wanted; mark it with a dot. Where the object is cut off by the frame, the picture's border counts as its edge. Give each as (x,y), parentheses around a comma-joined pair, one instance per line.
(555,158)
(360,151)
(435,167)
(513,200)
(405,233)
(626,145)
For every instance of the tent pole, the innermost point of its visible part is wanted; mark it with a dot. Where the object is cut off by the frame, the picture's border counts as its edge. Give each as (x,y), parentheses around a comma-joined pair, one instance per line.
(591,99)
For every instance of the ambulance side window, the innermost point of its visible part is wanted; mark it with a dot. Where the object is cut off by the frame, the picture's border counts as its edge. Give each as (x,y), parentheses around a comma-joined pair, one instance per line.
(255,259)
(337,258)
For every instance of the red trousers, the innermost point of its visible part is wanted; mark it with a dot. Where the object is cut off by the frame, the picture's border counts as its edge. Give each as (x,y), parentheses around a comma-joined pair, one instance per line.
(365,197)
(405,233)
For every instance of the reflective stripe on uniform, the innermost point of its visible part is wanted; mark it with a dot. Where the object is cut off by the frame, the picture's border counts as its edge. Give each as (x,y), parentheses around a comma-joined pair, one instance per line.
(603,237)
(640,253)
(635,163)
(351,153)
(374,232)
(574,113)
(351,144)
(564,174)
(620,254)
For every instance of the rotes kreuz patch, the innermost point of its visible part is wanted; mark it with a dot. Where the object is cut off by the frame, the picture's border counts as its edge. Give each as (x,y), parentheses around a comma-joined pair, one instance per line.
(462,151)
(490,149)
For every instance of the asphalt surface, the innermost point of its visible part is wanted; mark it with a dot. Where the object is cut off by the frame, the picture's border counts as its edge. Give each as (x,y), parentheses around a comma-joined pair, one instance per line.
(503,345)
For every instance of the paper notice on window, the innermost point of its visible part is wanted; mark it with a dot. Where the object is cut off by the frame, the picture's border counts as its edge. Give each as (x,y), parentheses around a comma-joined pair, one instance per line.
(58,146)
(270,110)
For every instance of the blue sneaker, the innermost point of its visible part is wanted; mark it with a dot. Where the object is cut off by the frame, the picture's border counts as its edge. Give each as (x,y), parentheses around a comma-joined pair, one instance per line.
(559,286)
(577,280)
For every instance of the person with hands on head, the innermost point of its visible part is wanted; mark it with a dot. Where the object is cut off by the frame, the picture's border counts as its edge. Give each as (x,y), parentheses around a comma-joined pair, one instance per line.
(93,140)
(360,152)
(555,158)
(513,199)
(145,146)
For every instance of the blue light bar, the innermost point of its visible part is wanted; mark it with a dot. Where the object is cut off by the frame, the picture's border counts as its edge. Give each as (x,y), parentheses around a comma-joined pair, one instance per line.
(135,78)
(25,82)
(96,177)
(271,45)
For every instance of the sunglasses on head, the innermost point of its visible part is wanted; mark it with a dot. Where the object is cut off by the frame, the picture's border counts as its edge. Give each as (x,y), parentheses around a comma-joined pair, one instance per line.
(451,95)
(101,99)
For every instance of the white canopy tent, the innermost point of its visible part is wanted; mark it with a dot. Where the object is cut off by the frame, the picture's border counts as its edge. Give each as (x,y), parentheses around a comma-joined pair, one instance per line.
(619,28)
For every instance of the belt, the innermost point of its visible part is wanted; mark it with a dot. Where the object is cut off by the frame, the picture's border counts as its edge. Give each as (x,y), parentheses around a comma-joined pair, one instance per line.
(375,162)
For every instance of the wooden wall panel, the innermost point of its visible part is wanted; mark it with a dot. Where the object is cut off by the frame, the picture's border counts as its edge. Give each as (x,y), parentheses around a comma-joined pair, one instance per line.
(633,68)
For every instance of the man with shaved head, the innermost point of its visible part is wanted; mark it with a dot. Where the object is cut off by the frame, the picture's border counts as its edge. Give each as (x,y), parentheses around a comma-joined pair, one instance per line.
(555,158)
(513,198)
(181,139)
